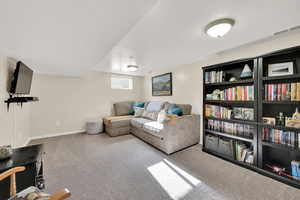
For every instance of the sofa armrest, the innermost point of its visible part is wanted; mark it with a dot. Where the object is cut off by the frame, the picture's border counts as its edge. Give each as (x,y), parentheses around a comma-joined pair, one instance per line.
(181,132)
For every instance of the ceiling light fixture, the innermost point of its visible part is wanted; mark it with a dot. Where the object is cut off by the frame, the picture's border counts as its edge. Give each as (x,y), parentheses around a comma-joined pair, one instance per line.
(219,28)
(132,67)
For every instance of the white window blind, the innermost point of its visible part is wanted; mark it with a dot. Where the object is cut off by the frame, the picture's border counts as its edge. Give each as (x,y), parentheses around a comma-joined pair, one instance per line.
(119,82)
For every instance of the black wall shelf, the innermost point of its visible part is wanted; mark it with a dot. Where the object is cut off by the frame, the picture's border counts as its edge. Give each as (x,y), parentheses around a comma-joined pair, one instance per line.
(264,152)
(19,100)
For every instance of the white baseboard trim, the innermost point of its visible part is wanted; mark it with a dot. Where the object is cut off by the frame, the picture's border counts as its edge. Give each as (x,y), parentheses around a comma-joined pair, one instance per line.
(52,135)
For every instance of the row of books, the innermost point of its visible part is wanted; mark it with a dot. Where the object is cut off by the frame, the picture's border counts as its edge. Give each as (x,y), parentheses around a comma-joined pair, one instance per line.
(228,113)
(278,136)
(217,111)
(214,77)
(239,93)
(242,130)
(243,153)
(282,92)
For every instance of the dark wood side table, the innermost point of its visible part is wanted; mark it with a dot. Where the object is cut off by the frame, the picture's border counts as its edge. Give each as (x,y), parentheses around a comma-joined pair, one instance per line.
(29,157)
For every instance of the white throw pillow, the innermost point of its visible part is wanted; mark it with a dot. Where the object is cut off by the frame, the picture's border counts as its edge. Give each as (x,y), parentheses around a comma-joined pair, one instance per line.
(162,116)
(138,112)
(150,115)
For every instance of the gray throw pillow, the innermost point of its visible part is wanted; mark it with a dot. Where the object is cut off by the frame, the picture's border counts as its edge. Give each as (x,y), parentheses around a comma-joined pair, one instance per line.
(123,108)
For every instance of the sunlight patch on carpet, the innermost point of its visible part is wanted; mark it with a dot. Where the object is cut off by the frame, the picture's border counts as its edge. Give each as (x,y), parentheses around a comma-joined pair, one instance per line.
(175,181)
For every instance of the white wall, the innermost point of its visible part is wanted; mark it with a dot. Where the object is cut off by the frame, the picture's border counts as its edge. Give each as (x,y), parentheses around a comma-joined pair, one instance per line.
(15,124)
(187,79)
(67,102)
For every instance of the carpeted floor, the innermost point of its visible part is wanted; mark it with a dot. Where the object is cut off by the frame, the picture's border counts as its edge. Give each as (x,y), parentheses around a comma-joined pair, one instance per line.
(125,168)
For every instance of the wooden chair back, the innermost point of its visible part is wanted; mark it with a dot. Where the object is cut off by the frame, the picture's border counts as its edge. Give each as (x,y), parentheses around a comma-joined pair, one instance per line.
(63,194)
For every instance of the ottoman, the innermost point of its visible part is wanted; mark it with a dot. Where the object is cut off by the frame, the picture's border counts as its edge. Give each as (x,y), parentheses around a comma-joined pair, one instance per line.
(117,125)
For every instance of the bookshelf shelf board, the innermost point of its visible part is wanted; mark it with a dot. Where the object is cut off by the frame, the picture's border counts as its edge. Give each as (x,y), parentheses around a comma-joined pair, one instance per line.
(246,103)
(240,82)
(282,102)
(284,128)
(293,182)
(229,136)
(233,120)
(275,78)
(279,146)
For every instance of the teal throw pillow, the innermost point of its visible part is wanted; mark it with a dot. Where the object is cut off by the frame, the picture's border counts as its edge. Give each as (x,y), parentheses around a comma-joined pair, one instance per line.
(137,105)
(175,110)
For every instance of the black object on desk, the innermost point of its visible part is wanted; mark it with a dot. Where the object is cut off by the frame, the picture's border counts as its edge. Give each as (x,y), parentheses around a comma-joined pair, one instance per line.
(29,157)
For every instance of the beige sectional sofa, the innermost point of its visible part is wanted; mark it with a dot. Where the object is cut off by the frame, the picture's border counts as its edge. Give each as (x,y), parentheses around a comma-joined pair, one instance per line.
(170,136)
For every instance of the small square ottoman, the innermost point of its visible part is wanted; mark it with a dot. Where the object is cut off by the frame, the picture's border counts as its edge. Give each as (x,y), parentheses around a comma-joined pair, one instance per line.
(117,125)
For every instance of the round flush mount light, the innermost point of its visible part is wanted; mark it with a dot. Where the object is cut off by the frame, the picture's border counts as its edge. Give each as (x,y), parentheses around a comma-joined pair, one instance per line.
(219,28)
(132,68)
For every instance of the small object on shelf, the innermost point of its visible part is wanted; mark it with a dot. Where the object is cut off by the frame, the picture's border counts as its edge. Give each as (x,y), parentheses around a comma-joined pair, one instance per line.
(280,119)
(281,69)
(5,152)
(293,121)
(269,120)
(296,115)
(246,73)
(232,79)
(289,122)
(295,165)
(279,170)
(243,113)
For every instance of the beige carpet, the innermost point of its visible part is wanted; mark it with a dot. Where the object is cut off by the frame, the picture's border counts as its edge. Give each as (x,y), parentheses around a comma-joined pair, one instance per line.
(125,168)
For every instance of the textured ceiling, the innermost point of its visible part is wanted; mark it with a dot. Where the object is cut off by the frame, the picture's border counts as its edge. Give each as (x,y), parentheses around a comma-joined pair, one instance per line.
(72,36)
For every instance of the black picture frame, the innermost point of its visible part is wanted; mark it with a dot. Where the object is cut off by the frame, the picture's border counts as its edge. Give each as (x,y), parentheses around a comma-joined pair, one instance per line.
(169,91)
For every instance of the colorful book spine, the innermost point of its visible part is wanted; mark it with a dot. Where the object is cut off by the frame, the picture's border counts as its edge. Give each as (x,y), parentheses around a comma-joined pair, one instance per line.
(282,92)
(298,92)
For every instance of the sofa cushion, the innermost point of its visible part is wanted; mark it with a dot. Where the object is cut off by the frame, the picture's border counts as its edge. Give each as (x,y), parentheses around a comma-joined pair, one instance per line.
(150,115)
(117,121)
(175,110)
(138,112)
(186,108)
(154,106)
(162,116)
(139,122)
(137,105)
(123,108)
(154,128)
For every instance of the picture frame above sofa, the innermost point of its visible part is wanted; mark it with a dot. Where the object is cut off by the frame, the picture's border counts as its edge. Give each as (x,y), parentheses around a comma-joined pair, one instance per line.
(162,85)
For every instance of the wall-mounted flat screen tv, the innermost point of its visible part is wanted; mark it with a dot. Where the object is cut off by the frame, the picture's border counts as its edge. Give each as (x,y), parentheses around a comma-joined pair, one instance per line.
(21,82)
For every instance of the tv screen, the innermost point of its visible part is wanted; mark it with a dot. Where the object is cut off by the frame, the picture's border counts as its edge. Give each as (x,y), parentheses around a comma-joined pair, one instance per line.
(21,83)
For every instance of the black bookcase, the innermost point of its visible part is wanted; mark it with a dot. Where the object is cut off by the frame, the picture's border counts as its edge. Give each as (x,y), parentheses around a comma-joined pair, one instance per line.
(265,153)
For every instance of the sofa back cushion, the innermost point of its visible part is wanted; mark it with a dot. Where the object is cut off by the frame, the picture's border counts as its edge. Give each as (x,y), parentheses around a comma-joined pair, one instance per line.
(123,108)
(175,110)
(186,108)
(155,106)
